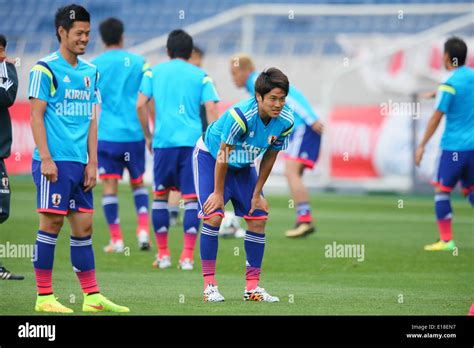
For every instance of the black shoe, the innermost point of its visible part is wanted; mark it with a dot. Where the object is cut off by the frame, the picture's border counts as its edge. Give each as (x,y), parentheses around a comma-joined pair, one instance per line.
(7,275)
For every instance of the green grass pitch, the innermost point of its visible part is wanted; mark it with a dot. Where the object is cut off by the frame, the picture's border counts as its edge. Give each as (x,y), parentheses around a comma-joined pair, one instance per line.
(396,276)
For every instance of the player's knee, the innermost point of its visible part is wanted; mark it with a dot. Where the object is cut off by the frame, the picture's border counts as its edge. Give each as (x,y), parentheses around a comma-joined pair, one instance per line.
(214,221)
(136,185)
(52,223)
(256,225)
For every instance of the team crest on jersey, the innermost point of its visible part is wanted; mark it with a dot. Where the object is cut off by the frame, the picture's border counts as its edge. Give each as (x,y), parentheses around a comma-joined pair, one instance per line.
(271,139)
(87,82)
(56,199)
(5,182)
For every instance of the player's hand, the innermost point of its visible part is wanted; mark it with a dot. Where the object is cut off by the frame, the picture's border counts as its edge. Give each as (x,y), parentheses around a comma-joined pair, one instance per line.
(318,127)
(260,203)
(90,176)
(148,142)
(214,201)
(49,170)
(419,155)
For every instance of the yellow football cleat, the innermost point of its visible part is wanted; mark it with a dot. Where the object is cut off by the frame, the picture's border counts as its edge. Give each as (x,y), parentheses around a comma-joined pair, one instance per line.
(97,303)
(441,246)
(300,231)
(49,304)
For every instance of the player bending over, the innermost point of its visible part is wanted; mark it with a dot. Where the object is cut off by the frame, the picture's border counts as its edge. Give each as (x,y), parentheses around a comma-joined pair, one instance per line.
(223,164)
(62,91)
(121,142)
(303,149)
(455,100)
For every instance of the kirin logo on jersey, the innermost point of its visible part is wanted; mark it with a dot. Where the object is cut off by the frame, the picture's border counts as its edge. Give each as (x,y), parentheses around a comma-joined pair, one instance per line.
(56,199)
(87,82)
(271,139)
(5,182)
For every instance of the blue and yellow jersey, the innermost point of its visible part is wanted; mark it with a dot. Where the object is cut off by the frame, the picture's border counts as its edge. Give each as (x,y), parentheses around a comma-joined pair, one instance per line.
(121,73)
(242,126)
(455,98)
(70,93)
(179,89)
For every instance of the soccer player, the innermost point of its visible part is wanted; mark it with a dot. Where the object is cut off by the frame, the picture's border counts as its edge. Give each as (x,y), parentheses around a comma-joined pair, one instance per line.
(223,164)
(173,201)
(455,100)
(303,149)
(178,89)
(121,142)
(8,90)
(62,92)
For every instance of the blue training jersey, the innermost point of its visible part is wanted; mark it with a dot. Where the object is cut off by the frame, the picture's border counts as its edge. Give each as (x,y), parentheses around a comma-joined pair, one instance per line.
(70,93)
(121,73)
(179,89)
(303,112)
(242,126)
(455,98)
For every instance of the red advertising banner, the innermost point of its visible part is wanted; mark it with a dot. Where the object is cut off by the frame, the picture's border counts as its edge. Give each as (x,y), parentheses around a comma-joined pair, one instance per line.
(23,145)
(354,132)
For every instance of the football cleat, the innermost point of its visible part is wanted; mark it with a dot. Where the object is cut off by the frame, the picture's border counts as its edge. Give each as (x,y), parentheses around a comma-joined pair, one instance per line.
(49,304)
(260,295)
(7,275)
(212,294)
(441,246)
(115,247)
(162,262)
(97,303)
(301,230)
(186,265)
(471,310)
(143,240)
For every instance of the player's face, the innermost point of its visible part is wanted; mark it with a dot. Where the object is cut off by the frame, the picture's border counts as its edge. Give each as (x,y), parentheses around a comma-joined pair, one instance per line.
(3,53)
(273,102)
(239,76)
(77,38)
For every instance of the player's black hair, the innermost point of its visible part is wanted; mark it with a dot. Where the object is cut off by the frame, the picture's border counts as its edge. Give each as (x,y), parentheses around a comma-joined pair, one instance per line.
(198,50)
(111,31)
(269,79)
(67,15)
(179,44)
(456,49)
(3,41)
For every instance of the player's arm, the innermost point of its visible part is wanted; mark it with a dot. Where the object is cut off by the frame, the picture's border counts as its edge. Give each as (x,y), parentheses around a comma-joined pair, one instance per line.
(433,124)
(90,173)
(37,110)
(212,113)
(444,95)
(216,199)
(142,111)
(144,95)
(9,88)
(210,98)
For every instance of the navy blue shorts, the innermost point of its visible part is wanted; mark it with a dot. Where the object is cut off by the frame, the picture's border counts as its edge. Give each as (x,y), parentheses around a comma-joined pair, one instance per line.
(65,194)
(173,170)
(239,186)
(455,166)
(114,157)
(304,146)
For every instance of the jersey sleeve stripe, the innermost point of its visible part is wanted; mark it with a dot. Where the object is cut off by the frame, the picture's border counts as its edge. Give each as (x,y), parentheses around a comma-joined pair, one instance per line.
(145,67)
(447,88)
(206,80)
(44,68)
(288,131)
(239,118)
(149,74)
